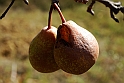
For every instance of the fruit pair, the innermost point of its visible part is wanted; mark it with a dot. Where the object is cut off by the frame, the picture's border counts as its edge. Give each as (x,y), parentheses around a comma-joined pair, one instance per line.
(70,48)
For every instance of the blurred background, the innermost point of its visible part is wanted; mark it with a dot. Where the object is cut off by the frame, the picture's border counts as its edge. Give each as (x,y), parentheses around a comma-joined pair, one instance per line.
(22,23)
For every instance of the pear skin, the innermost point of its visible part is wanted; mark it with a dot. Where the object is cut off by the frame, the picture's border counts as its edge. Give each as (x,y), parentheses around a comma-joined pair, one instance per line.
(76,49)
(41,51)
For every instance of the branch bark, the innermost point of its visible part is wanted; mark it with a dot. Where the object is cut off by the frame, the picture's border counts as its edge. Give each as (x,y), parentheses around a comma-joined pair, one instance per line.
(114,7)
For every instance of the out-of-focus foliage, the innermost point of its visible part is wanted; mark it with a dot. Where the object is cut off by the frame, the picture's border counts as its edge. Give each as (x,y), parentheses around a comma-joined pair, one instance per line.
(42,4)
(2,2)
(20,26)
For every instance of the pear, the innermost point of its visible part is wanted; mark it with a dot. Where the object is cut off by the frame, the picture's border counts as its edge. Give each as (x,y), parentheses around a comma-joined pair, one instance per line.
(41,51)
(76,49)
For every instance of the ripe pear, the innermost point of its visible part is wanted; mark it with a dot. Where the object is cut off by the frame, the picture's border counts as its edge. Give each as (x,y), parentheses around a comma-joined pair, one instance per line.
(76,49)
(41,51)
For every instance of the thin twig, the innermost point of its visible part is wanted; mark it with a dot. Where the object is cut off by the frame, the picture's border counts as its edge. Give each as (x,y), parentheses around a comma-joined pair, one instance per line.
(10,5)
(3,15)
(26,2)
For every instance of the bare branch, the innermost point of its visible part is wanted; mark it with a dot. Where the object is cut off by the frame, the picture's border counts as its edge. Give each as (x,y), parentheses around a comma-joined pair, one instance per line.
(114,7)
(26,2)
(89,9)
(10,5)
(3,15)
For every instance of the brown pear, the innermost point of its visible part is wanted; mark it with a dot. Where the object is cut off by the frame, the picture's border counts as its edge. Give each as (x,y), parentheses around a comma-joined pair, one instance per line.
(76,49)
(41,51)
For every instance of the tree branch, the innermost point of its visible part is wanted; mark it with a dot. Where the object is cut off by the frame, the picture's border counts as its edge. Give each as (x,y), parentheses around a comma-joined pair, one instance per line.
(114,7)
(26,2)
(10,5)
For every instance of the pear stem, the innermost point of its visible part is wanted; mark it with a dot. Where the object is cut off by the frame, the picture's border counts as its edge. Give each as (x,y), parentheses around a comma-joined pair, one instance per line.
(60,13)
(54,5)
(50,17)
